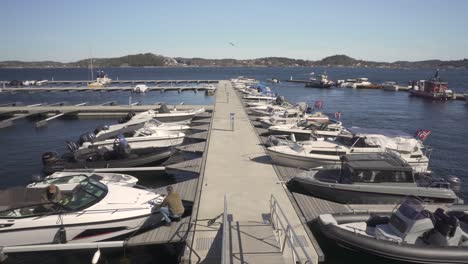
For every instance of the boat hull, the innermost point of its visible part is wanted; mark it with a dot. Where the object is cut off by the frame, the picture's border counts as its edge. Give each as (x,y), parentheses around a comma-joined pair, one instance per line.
(328,191)
(296,161)
(387,249)
(132,161)
(317,85)
(433,96)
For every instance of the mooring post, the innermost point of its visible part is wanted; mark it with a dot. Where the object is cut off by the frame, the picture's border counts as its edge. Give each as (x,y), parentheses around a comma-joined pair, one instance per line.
(231,117)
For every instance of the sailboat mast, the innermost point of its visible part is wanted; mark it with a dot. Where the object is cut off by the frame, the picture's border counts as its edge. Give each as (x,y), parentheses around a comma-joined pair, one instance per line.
(91,68)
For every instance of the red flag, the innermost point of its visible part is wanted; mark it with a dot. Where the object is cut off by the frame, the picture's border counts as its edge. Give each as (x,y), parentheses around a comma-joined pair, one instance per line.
(422,134)
(337,115)
(318,104)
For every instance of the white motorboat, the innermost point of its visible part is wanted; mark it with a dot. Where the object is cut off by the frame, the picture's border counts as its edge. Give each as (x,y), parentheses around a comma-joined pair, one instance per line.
(303,130)
(91,212)
(142,139)
(353,140)
(140,88)
(393,86)
(267,121)
(68,180)
(259,97)
(165,115)
(285,110)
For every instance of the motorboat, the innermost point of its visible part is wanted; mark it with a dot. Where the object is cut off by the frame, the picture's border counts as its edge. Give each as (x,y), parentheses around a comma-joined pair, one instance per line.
(350,141)
(165,115)
(101,80)
(376,178)
(145,121)
(143,139)
(319,82)
(286,110)
(410,233)
(67,179)
(90,212)
(304,129)
(363,83)
(434,89)
(259,97)
(210,89)
(267,121)
(141,134)
(393,86)
(140,88)
(119,156)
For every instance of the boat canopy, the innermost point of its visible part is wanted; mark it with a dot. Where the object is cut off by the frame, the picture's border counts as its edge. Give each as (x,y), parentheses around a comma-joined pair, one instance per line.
(376,161)
(388,138)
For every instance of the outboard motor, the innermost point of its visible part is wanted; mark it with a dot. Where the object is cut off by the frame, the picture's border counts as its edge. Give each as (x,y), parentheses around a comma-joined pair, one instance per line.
(50,157)
(121,147)
(279,100)
(100,128)
(86,137)
(72,146)
(163,109)
(127,118)
(455,183)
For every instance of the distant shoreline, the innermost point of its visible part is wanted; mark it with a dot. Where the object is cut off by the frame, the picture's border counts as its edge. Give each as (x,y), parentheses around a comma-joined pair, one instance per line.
(149,60)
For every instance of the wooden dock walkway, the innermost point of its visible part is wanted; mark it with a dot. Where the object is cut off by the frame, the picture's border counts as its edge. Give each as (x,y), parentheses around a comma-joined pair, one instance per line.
(188,190)
(248,185)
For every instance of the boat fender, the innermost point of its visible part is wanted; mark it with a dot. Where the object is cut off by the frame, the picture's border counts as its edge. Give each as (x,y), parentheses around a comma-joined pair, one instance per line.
(60,236)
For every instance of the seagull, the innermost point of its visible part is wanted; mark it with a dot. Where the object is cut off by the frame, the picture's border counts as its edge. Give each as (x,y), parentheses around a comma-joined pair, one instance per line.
(232,44)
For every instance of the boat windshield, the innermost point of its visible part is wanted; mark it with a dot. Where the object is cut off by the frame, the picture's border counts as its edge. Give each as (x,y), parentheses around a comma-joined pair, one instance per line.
(345,140)
(87,194)
(412,208)
(65,179)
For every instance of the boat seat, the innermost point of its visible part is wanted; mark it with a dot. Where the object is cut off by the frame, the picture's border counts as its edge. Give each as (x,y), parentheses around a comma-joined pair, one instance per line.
(460,215)
(375,220)
(385,232)
(446,225)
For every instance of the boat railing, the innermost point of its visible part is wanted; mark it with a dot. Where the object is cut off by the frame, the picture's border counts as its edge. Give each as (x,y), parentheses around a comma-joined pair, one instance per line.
(224,259)
(287,235)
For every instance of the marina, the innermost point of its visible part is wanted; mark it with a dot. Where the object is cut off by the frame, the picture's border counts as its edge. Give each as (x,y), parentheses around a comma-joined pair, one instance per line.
(220,179)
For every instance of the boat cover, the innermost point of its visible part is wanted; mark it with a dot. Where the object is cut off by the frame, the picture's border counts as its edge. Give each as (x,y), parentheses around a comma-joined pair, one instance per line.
(388,138)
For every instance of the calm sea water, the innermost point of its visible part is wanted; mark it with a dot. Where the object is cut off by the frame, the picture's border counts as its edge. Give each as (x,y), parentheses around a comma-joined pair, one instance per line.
(22,144)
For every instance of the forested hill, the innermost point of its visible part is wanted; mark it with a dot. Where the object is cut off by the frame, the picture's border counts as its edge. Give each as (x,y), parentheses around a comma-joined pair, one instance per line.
(154,60)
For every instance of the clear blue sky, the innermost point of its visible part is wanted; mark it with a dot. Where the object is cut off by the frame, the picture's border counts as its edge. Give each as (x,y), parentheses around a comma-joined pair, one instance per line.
(382,30)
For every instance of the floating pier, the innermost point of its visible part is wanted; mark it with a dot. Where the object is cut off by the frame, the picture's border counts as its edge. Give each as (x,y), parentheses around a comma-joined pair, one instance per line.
(52,111)
(256,223)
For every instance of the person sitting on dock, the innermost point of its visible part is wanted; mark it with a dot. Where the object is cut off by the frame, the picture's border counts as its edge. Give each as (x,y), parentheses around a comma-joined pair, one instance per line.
(172,206)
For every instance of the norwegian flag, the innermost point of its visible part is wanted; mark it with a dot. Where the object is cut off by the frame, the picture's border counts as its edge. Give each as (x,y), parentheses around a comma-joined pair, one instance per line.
(337,115)
(422,134)
(318,104)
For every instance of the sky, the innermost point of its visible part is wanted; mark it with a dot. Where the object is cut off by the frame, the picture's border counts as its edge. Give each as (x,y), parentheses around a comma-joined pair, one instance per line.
(379,30)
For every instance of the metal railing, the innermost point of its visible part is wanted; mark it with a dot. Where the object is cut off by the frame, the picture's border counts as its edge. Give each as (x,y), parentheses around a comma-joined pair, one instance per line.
(224,237)
(286,234)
